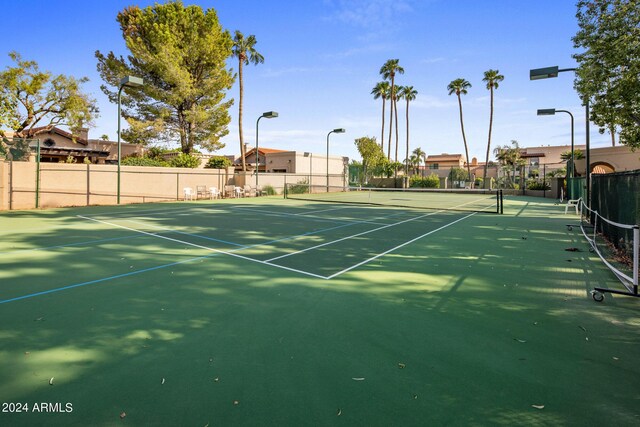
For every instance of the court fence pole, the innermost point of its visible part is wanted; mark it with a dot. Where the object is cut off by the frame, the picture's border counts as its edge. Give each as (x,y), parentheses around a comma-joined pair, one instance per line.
(38,174)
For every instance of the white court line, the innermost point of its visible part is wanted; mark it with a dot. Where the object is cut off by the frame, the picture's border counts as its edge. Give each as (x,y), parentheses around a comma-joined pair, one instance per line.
(204,247)
(323,210)
(398,247)
(312,218)
(352,236)
(169,230)
(317,232)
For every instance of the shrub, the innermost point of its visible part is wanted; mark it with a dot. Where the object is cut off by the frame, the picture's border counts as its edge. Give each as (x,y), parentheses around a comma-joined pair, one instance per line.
(143,161)
(300,187)
(183,160)
(269,190)
(218,162)
(431,181)
(537,185)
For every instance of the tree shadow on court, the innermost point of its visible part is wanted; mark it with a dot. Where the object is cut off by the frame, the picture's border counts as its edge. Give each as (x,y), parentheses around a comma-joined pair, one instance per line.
(472,327)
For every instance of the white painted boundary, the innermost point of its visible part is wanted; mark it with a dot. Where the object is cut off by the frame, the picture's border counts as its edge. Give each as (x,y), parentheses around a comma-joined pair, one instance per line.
(306,273)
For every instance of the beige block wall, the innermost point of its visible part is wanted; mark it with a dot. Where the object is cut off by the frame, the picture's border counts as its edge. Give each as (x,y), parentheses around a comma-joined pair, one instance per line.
(80,185)
(278,180)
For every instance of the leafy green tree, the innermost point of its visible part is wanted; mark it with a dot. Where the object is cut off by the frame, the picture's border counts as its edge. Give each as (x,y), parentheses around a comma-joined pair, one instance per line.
(382,90)
(608,72)
(459,87)
(244,50)
(218,162)
(181,53)
(388,72)
(30,99)
(458,174)
(371,154)
(492,78)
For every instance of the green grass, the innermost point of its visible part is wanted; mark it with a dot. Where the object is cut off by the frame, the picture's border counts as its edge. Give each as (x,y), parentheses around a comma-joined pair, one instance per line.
(470,325)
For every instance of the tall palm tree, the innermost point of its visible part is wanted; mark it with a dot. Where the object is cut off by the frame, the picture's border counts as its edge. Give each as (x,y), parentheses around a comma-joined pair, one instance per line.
(381,90)
(243,49)
(388,72)
(408,94)
(397,94)
(492,78)
(459,87)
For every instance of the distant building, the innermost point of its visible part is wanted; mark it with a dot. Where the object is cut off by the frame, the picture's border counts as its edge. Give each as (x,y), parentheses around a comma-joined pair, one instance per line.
(271,160)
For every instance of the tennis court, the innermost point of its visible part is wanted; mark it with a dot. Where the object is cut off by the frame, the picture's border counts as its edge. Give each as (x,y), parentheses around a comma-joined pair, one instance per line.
(264,311)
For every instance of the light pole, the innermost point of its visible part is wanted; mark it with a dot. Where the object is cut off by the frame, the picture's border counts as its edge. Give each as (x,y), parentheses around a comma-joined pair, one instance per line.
(550,72)
(552,112)
(128,81)
(570,172)
(338,130)
(267,115)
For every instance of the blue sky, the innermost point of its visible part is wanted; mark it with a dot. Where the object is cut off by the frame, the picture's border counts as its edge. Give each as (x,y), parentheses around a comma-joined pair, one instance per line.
(322,58)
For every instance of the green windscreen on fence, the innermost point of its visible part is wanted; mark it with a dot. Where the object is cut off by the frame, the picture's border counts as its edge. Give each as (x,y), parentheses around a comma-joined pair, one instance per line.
(488,201)
(616,196)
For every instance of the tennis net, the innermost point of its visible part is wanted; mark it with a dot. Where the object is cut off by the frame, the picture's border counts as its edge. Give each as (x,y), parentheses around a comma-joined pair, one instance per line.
(486,201)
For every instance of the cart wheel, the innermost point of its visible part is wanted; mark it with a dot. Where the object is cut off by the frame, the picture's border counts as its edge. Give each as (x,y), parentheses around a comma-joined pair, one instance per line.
(597,296)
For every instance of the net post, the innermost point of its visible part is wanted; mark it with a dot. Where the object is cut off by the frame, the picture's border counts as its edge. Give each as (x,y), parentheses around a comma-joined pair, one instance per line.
(636,255)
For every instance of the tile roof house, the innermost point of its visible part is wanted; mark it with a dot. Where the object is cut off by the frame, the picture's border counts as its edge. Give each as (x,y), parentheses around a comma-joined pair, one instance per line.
(57,145)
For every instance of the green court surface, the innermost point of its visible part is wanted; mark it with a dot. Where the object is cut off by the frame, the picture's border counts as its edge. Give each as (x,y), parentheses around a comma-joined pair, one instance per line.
(264,311)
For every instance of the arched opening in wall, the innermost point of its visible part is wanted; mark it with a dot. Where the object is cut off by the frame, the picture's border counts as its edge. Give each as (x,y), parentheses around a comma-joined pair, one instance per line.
(602,167)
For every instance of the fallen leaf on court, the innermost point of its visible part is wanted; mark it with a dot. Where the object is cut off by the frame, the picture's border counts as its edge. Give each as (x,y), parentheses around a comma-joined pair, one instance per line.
(339,412)
(162,381)
(538,406)
(415,396)
(39,319)
(216,379)
(236,402)
(51,381)
(401,365)
(122,414)
(519,340)
(582,327)
(615,358)
(358,379)
(586,338)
